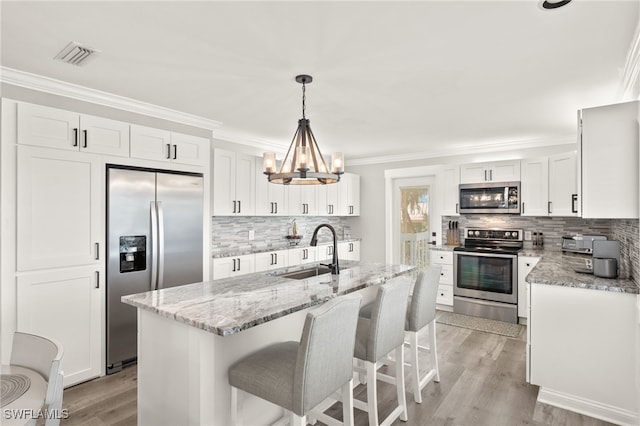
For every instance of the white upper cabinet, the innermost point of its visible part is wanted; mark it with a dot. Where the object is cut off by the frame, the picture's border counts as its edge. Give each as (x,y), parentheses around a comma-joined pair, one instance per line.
(563,188)
(303,200)
(55,128)
(234,184)
(534,186)
(448,186)
(349,193)
(271,198)
(497,171)
(59,208)
(162,145)
(608,161)
(328,198)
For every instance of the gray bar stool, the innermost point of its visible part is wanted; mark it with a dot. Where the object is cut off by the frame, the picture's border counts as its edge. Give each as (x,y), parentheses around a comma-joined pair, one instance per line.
(421,314)
(377,336)
(298,376)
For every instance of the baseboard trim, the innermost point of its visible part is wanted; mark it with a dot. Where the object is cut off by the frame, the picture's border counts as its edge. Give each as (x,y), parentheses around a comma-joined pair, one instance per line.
(588,407)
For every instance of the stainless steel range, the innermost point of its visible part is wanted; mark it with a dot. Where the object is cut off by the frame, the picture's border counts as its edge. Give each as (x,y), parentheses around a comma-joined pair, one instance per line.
(485,274)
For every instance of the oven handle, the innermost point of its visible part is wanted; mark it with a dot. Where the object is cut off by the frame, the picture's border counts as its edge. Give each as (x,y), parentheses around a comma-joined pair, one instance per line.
(470,253)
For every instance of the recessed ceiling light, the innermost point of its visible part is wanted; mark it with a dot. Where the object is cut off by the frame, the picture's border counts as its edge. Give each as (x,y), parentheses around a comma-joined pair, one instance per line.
(75,54)
(554,4)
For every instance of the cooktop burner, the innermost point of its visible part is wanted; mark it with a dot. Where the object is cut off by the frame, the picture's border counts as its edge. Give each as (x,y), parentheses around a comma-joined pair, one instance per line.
(507,241)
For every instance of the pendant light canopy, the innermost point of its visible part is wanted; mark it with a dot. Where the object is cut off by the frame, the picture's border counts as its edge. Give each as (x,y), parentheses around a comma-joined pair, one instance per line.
(303,164)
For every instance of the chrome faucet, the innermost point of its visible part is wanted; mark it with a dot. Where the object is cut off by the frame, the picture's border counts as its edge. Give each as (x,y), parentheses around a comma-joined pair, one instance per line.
(335,269)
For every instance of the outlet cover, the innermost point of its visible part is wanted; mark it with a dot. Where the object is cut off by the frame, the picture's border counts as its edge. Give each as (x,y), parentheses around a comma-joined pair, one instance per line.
(252,234)
(527,235)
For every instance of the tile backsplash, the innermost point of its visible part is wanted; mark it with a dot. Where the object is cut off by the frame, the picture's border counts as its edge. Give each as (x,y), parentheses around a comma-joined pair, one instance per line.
(553,228)
(232,232)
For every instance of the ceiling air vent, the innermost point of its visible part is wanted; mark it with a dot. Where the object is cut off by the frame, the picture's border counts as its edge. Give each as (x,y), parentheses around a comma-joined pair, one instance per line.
(75,54)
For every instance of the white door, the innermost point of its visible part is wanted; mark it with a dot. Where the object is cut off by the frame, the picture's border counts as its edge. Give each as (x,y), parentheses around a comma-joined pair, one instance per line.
(224,183)
(150,144)
(245,183)
(563,187)
(189,149)
(534,186)
(66,305)
(413,220)
(48,127)
(59,208)
(104,136)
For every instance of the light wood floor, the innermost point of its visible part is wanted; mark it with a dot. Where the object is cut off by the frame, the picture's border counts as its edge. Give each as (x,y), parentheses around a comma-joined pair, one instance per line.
(481,383)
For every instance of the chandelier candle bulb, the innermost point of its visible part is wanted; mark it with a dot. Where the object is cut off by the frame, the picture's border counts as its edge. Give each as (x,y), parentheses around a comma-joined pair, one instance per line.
(303,155)
(269,162)
(337,162)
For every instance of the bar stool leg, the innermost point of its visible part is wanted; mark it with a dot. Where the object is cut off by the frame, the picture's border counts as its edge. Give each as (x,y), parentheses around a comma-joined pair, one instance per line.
(236,407)
(347,404)
(415,366)
(402,399)
(372,392)
(432,350)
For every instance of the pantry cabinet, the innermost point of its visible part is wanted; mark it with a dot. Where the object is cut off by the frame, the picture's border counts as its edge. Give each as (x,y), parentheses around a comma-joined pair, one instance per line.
(608,161)
(60,208)
(234,184)
(498,171)
(55,128)
(66,305)
(149,143)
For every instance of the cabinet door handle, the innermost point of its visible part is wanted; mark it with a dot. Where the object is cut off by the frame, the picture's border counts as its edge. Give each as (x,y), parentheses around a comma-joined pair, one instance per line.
(574,203)
(234,265)
(549,207)
(491,174)
(528,265)
(175,152)
(75,136)
(276,256)
(239,206)
(97,245)
(271,207)
(238,264)
(485,175)
(523,207)
(457,208)
(86,142)
(234,206)
(97,279)
(276,207)
(168,151)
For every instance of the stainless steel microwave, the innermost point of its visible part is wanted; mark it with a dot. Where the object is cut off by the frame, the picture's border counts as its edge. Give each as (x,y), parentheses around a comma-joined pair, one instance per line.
(490,197)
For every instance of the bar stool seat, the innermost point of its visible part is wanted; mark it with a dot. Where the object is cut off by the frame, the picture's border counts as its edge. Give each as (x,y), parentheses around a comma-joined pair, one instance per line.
(298,376)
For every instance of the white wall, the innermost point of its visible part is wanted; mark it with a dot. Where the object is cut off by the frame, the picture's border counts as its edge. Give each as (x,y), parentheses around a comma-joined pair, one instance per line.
(370,226)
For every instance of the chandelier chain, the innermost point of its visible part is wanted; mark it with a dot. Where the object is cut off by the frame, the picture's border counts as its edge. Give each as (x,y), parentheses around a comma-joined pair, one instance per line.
(304,99)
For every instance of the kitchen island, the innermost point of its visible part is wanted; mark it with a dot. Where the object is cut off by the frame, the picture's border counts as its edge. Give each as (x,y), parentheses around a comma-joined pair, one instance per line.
(581,344)
(188,336)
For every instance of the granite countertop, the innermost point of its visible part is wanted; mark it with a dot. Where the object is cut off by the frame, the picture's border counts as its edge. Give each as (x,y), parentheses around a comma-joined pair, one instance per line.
(228,306)
(285,245)
(557,268)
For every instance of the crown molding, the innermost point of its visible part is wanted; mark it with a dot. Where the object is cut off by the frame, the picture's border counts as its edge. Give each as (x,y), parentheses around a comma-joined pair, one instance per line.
(62,88)
(465,149)
(237,137)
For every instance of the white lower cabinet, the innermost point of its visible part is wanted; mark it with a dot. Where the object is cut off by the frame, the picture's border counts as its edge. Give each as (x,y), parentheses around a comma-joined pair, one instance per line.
(445,285)
(525,265)
(271,260)
(300,255)
(325,252)
(227,267)
(349,250)
(66,305)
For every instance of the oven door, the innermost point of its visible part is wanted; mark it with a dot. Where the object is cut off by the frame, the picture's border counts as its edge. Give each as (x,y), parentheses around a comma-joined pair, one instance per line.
(487,276)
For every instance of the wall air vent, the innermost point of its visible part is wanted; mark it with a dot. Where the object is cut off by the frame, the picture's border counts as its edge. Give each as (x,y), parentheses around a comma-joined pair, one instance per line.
(75,54)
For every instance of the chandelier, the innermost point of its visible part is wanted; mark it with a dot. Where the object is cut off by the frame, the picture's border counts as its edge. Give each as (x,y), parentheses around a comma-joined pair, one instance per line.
(303,164)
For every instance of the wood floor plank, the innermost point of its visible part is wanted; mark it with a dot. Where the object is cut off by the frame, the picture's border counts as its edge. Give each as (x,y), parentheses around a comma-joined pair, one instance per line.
(482,383)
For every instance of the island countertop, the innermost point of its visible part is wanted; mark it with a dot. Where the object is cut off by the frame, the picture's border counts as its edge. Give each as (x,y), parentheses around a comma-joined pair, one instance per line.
(231,305)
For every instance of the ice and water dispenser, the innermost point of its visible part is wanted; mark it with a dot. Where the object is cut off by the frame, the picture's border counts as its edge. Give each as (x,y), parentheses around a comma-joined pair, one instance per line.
(133,253)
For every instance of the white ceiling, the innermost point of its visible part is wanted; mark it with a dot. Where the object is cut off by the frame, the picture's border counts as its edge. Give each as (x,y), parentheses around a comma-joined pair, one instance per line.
(390,78)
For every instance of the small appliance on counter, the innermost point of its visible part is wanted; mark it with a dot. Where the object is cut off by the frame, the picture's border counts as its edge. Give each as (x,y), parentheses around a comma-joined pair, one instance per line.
(606,258)
(580,243)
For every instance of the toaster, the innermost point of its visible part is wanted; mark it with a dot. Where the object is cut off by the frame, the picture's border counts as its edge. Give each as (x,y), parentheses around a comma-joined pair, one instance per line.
(580,243)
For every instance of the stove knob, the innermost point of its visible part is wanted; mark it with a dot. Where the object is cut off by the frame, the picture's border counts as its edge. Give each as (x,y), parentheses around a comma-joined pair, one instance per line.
(507,234)
(477,233)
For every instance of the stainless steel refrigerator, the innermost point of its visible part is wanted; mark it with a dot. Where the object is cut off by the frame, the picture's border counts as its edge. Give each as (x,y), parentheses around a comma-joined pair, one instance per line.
(154,241)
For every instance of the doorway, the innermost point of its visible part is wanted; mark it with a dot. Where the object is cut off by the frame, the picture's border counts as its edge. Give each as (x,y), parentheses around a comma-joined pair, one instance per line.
(413,220)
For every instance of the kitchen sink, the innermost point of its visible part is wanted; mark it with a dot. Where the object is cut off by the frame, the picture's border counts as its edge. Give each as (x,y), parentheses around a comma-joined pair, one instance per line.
(307,273)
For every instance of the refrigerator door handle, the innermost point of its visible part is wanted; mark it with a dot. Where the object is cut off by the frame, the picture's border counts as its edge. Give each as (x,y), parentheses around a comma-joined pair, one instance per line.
(160,245)
(153,247)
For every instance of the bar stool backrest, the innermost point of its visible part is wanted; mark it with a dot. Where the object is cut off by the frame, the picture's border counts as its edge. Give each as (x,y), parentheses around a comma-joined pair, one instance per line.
(423,301)
(325,354)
